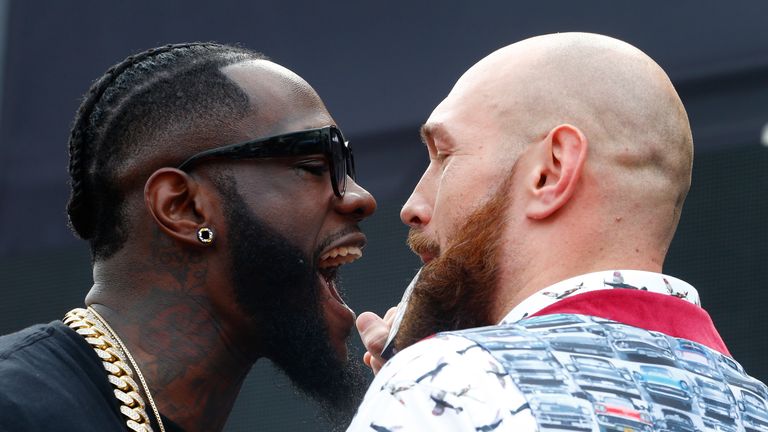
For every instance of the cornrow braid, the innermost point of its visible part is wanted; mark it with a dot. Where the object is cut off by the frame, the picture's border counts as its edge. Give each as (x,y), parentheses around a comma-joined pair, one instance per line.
(135,101)
(78,208)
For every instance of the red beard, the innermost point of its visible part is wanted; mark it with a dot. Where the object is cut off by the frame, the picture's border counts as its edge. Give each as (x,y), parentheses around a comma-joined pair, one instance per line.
(457,290)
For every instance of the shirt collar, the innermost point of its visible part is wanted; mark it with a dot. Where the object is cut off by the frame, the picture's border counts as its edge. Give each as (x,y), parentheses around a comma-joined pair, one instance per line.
(603,280)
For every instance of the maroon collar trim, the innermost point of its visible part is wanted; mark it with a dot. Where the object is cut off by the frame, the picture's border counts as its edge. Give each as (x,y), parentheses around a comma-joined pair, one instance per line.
(648,310)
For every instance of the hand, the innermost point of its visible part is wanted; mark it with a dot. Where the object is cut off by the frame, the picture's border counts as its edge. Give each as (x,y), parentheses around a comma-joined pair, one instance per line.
(373,332)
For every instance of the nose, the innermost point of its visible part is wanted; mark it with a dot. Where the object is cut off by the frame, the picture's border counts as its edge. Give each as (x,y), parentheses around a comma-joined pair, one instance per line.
(357,201)
(417,211)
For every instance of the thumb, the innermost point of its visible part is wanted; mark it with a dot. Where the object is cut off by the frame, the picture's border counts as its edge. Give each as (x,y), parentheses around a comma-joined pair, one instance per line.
(366,320)
(373,332)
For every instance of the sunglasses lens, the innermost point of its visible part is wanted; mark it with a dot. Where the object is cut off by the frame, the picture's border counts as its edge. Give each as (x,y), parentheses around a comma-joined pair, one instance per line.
(339,161)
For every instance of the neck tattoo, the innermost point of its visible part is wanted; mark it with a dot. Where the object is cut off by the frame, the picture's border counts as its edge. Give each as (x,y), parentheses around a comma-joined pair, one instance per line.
(113,354)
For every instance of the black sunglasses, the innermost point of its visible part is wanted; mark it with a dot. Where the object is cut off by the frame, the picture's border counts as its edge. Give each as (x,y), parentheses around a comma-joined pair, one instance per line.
(326,140)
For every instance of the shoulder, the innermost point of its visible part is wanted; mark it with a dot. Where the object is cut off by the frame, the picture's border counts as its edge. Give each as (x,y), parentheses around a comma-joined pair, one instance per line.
(20,371)
(447,382)
(41,344)
(29,357)
(24,341)
(48,375)
(446,360)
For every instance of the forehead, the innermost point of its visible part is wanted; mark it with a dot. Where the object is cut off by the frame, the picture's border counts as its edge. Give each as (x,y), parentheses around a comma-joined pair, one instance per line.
(461,118)
(475,104)
(280,100)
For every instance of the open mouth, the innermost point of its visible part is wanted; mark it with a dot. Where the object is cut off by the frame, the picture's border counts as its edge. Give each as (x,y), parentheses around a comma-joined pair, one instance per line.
(331,261)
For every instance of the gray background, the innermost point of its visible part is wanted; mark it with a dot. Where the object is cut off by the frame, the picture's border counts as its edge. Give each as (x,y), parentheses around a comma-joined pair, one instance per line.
(381,67)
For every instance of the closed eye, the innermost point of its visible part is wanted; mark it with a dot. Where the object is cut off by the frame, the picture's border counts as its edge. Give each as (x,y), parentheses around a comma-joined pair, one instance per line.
(314,167)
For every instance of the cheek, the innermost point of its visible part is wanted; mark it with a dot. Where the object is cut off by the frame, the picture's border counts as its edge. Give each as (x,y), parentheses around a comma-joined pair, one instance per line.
(452,201)
(300,225)
(462,188)
(299,219)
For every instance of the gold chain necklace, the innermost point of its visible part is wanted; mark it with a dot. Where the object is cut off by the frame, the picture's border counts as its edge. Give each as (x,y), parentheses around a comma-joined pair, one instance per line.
(113,353)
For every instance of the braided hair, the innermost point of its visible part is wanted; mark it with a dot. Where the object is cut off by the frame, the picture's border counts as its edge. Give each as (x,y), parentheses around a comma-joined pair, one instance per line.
(126,114)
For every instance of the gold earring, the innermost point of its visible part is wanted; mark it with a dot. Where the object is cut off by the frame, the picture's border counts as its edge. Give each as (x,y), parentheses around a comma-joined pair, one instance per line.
(205,235)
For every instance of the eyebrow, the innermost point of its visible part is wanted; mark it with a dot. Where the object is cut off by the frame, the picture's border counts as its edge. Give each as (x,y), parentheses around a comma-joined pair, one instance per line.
(431,131)
(425,132)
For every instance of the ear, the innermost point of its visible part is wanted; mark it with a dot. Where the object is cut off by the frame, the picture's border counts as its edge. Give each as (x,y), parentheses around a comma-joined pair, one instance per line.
(559,161)
(178,204)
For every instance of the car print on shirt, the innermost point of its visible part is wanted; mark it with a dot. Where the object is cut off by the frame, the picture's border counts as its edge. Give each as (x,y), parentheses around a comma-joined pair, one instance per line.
(734,374)
(572,372)
(556,414)
(695,358)
(716,400)
(599,374)
(665,386)
(618,414)
(639,345)
(533,367)
(557,320)
(674,421)
(754,412)
(715,425)
(586,339)
(517,340)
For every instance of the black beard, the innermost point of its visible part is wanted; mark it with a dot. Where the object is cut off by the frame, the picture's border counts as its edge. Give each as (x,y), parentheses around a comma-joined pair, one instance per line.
(276,284)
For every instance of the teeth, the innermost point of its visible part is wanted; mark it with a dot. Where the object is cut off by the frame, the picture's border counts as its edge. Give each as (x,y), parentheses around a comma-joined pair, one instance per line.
(340,255)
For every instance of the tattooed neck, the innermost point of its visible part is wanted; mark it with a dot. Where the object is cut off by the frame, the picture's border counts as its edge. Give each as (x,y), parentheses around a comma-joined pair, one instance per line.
(173,327)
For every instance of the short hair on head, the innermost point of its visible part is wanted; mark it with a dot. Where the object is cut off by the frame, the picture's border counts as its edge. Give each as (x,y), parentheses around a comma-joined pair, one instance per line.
(127,111)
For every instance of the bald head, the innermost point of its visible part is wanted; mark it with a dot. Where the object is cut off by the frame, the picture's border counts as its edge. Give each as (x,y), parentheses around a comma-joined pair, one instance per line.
(584,141)
(280,100)
(612,90)
(255,98)
(640,145)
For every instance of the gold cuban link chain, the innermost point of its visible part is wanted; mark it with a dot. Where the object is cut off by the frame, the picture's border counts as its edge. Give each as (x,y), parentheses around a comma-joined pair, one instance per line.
(113,353)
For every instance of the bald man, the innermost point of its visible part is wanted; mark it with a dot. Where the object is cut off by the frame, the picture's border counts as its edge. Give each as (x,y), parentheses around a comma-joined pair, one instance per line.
(558,169)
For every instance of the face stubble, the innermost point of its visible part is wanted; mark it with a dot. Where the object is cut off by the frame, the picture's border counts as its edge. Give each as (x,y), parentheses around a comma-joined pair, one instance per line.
(457,290)
(277,285)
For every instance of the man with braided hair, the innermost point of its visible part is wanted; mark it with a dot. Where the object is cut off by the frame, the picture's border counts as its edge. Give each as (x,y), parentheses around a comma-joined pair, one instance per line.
(218,199)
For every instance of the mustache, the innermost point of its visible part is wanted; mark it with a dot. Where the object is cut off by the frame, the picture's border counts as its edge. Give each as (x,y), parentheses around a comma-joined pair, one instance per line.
(420,244)
(351,229)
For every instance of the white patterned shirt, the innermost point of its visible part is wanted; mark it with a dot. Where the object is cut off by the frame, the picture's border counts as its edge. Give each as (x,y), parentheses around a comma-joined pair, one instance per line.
(453,383)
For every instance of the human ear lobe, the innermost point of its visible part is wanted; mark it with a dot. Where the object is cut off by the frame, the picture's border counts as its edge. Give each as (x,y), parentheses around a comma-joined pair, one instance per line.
(177,203)
(560,161)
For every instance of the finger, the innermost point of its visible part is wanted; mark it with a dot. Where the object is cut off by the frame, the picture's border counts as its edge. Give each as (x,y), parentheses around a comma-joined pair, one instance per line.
(376,364)
(373,332)
(390,315)
(365,320)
